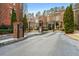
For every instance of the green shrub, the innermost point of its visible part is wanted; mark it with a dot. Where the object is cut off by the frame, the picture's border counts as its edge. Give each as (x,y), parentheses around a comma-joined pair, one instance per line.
(6,29)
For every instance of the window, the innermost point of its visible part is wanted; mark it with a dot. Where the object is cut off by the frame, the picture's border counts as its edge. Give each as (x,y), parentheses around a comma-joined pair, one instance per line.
(14,4)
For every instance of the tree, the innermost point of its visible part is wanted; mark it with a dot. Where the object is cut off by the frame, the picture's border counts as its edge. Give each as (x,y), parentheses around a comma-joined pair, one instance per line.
(69,20)
(13,19)
(38,14)
(45,13)
(62,7)
(56,8)
(52,9)
(13,16)
(25,22)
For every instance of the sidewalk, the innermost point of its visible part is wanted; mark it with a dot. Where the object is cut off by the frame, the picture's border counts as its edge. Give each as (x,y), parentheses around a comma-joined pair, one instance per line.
(9,40)
(74,36)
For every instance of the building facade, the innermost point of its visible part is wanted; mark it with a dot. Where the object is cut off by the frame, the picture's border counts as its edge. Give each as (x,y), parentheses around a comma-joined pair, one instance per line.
(44,21)
(59,19)
(56,19)
(31,21)
(76,15)
(6,11)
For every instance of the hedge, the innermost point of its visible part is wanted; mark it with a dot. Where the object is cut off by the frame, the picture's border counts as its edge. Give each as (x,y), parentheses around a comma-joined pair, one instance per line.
(5,31)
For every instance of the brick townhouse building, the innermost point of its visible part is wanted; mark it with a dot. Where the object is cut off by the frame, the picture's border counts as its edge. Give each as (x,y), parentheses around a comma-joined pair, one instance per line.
(6,11)
(56,18)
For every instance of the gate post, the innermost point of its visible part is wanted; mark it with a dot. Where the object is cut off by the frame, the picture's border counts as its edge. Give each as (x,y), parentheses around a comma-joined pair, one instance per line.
(18,30)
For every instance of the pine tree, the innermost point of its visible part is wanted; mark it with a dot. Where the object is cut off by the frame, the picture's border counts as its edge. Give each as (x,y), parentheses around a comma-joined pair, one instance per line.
(13,16)
(69,20)
(13,19)
(25,22)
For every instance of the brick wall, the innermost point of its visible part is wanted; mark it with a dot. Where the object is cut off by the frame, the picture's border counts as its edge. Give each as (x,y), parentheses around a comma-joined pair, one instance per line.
(5,12)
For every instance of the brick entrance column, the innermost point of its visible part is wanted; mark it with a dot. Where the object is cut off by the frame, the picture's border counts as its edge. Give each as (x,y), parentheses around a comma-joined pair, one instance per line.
(18,29)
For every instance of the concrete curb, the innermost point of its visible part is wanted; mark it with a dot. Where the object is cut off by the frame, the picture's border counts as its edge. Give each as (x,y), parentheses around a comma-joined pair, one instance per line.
(10,41)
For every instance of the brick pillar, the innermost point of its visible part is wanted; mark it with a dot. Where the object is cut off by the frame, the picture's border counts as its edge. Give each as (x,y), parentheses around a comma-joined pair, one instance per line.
(18,30)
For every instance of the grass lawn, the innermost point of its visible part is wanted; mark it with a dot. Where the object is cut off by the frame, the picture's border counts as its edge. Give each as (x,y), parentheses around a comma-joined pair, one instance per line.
(74,36)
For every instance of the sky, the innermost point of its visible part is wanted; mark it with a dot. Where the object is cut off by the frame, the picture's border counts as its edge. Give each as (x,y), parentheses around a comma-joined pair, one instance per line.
(35,7)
